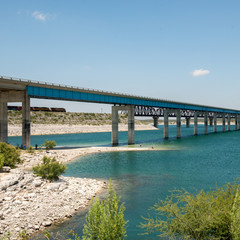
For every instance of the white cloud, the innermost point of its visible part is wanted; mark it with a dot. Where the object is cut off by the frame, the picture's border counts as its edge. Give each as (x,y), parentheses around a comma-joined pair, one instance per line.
(200,72)
(43,17)
(86,67)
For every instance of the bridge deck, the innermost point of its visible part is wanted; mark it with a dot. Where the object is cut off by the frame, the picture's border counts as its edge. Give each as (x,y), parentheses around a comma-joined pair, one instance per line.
(62,92)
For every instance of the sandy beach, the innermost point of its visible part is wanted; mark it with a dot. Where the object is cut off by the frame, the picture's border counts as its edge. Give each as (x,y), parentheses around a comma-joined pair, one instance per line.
(45,129)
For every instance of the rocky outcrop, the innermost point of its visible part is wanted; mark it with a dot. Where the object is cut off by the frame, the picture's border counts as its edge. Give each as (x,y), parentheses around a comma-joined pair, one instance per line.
(30,203)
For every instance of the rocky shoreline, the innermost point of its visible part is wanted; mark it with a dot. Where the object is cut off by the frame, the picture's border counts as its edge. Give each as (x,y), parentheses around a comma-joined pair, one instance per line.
(30,203)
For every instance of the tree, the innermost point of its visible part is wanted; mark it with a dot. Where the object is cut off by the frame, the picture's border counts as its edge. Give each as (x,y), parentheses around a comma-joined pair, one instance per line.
(105,219)
(49,144)
(10,155)
(208,215)
(50,168)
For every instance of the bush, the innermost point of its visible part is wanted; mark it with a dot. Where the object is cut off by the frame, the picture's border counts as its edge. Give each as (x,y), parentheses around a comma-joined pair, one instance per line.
(10,154)
(105,220)
(50,169)
(208,215)
(2,159)
(49,144)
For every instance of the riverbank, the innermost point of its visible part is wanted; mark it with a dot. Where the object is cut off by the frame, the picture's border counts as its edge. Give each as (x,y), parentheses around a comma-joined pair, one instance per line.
(46,129)
(30,203)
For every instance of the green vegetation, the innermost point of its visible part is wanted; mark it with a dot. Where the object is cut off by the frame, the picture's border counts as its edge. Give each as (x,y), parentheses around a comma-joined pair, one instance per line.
(49,144)
(208,215)
(105,219)
(50,169)
(2,159)
(9,154)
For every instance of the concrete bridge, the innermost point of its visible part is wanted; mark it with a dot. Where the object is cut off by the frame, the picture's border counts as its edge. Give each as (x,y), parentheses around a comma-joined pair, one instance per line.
(19,90)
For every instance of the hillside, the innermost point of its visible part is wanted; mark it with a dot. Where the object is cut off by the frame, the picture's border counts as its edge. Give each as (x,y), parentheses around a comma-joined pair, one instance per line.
(15,117)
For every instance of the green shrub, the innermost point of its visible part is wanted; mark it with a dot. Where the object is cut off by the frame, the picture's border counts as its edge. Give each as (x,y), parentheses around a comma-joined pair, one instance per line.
(105,219)
(11,155)
(50,168)
(49,144)
(2,159)
(208,215)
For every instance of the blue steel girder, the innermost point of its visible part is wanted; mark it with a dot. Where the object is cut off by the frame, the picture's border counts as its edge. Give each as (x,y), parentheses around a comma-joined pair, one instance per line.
(62,92)
(108,98)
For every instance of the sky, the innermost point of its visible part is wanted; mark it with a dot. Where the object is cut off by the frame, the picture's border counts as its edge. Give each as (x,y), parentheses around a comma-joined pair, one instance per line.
(182,50)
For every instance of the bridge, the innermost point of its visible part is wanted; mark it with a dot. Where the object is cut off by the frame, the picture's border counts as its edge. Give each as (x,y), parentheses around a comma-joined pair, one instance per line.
(20,90)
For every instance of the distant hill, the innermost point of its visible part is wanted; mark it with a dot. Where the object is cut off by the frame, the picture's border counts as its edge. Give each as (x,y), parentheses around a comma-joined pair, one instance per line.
(15,117)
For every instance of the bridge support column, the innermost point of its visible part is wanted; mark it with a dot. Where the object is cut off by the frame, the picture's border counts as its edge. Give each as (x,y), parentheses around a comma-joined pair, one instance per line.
(178,124)
(26,129)
(211,121)
(130,109)
(229,122)
(223,122)
(131,137)
(155,121)
(3,119)
(206,123)
(196,123)
(238,122)
(166,132)
(215,122)
(188,119)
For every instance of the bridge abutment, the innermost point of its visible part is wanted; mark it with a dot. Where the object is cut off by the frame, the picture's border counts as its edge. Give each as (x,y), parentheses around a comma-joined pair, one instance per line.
(15,96)
(131,135)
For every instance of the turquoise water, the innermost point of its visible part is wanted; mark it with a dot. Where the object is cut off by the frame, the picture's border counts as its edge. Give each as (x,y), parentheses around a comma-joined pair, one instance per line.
(141,178)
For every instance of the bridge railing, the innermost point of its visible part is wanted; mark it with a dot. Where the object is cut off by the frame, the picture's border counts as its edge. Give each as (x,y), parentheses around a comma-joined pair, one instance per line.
(80,88)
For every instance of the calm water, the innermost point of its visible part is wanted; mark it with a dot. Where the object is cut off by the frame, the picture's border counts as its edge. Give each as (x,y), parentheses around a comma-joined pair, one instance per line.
(141,178)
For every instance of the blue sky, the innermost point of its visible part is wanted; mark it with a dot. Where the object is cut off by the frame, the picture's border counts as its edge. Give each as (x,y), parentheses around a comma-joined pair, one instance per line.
(183,50)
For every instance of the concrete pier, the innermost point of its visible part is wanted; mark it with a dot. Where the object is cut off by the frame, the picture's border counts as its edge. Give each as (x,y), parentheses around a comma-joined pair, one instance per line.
(223,123)
(188,119)
(211,121)
(131,136)
(155,121)
(206,123)
(215,122)
(26,131)
(3,119)
(236,122)
(196,123)
(166,130)
(178,124)
(229,122)
(114,126)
